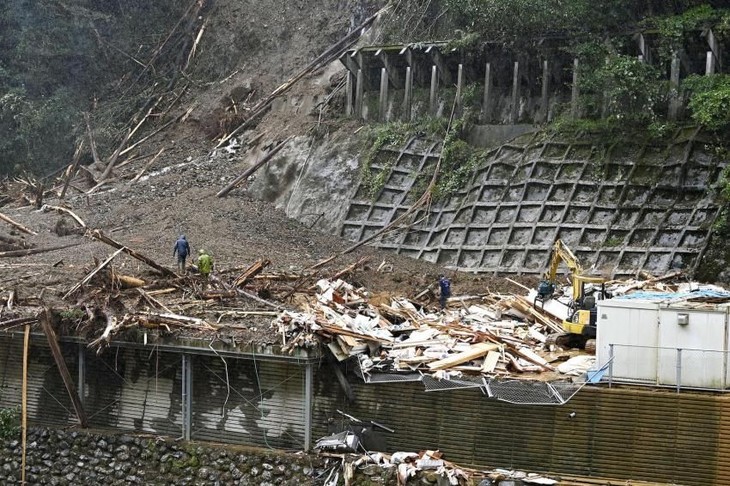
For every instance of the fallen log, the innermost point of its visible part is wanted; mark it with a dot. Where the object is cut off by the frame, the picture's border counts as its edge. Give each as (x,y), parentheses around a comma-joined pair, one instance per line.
(152,301)
(218,294)
(17,322)
(45,319)
(72,168)
(259,299)
(34,251)
(91,274)
(59,209)
(147,166)
(251,272)
(129,282)
(149,319)
(17,225)
(253,168)
(98,235)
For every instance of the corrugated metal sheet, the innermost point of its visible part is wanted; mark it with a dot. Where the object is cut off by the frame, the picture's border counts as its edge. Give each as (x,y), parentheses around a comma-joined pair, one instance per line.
(264,405)
(640,434)
(134,390)
(625,433)
(48,400)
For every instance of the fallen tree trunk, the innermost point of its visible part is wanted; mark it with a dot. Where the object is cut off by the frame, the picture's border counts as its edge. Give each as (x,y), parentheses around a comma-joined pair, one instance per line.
(48,207)
(34,251)
(45,319)
(252,169)
(72,169)
(17,225)
(91,274)
(151,319)
(98,235)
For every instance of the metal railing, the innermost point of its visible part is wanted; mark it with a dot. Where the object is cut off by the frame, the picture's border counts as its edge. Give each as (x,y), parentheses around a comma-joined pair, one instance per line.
(671,367)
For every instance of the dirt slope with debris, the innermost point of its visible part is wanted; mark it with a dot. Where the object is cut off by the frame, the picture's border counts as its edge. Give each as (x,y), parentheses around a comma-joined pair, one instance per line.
(251,48)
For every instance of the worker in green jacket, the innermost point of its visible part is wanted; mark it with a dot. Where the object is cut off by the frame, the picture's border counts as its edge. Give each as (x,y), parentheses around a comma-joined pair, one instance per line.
(205,263)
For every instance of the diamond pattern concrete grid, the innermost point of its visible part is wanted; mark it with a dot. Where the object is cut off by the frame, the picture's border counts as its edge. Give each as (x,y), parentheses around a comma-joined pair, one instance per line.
(633,207)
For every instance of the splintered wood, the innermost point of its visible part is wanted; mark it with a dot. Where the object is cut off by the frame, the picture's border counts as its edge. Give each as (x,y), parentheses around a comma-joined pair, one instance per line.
(495,339)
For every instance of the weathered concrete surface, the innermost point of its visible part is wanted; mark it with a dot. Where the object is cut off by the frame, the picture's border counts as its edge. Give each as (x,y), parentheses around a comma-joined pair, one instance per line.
(312,180)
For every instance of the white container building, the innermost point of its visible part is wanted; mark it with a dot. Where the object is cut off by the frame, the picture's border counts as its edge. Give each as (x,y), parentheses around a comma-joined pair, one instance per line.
(665,339)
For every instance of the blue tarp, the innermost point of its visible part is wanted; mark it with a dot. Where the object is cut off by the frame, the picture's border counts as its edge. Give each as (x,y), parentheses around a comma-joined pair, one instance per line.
(675,296)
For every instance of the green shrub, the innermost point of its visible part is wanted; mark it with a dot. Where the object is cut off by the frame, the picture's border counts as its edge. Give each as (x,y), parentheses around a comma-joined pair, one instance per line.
(709,100)
(9,423)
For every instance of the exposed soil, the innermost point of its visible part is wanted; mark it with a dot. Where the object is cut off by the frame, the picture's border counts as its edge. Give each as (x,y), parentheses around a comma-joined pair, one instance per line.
(179,196)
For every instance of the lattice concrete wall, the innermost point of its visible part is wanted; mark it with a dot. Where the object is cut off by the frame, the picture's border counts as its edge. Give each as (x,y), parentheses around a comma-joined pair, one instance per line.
(623,209)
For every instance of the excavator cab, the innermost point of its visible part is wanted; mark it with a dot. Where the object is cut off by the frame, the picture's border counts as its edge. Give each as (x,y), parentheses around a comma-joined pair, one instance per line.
(580,326)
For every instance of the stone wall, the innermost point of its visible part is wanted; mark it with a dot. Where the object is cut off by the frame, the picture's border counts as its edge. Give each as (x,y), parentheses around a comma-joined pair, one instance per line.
(61,457)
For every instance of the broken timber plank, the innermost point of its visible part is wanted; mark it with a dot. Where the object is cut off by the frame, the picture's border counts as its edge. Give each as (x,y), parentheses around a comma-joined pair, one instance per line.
(98,235)
(490,361)
(62,368)
(17,225)
(251,272)
(474,351)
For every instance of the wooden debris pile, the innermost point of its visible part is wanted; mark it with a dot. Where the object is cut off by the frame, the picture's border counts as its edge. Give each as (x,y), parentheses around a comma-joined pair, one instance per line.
(497,337)
(494,335)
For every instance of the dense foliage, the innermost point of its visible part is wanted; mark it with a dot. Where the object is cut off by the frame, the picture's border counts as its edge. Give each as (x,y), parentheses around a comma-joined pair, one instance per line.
(60,58)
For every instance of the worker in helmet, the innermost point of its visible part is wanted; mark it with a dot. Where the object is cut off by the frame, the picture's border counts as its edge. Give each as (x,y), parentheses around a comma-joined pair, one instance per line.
(205,263)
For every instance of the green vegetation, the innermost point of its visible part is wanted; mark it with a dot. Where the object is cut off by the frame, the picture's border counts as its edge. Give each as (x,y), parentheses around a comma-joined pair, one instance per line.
(58,59)
(709,100)
(9,423)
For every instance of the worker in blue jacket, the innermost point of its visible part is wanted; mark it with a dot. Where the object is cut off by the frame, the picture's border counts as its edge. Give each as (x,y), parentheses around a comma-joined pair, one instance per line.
(182,250)
(444,290)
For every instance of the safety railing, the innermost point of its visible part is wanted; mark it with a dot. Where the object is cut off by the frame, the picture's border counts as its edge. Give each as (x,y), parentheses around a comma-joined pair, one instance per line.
(675,367)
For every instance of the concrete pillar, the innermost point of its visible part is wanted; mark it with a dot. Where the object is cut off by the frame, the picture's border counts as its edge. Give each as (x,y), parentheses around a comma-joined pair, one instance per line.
(575,92)
(486,106)
(434,86)
(515,92)
(383,111)
(308,387)
(459,87)
(187,396)
(407,101)
(714,58)
(81,383)
(358,93)
(349,92)
(644,52)
(710,65)
(674,87)
(545,94)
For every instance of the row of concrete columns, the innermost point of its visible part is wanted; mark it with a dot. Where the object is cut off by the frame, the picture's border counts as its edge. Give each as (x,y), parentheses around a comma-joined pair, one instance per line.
(355,92)
(389,75)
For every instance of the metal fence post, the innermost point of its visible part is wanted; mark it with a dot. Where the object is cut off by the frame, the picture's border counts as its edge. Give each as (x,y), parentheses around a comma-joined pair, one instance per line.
(679,369)
(610,365)
(187,395)
(308,379)
(81,385)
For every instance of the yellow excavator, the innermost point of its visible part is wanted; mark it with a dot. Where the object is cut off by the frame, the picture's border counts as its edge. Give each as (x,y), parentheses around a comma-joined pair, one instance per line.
(580,326)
